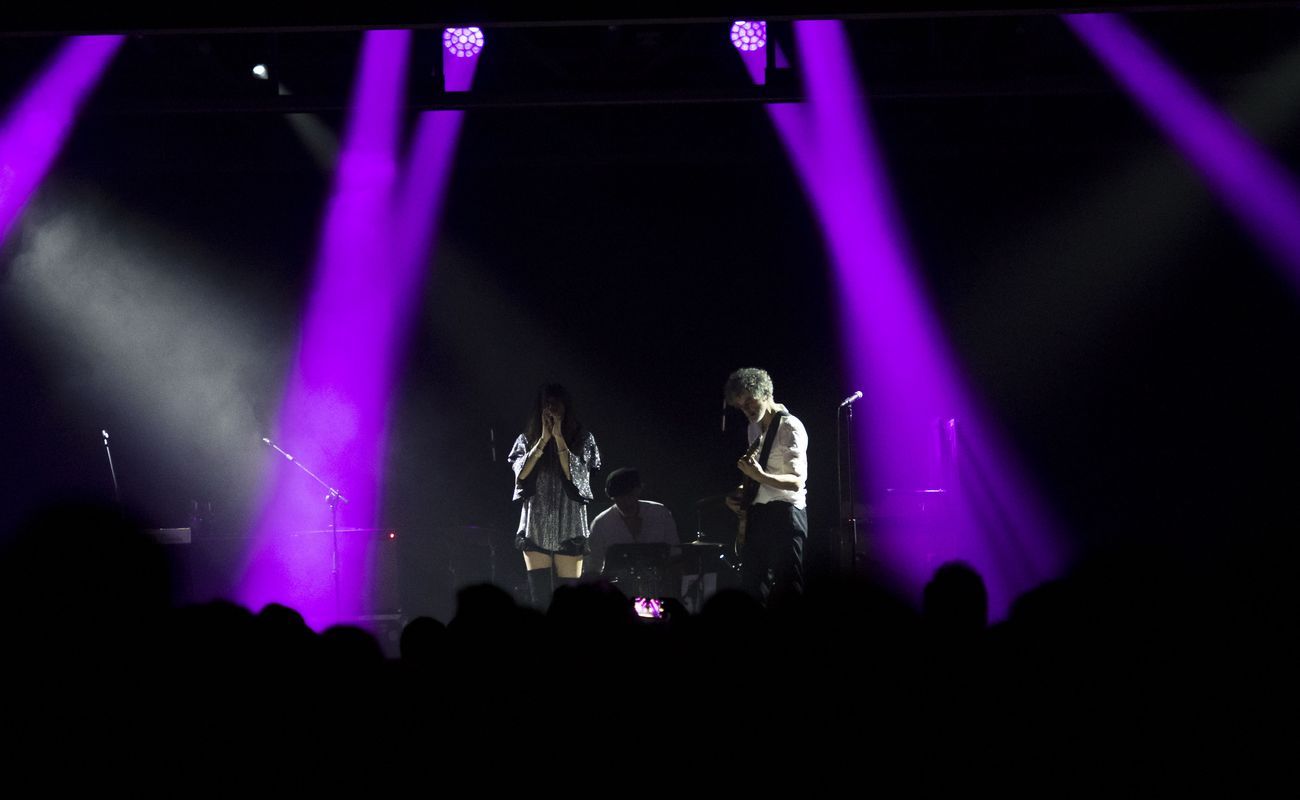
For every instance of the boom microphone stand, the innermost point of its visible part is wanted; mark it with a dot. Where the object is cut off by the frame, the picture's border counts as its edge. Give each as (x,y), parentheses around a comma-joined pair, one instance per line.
(334,497)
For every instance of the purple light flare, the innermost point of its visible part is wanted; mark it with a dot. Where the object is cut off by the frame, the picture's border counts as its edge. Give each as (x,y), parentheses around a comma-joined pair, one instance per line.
(895,349)
(463,42)
(460,49)
(1254,188)
(37,125)
(750,41)
(748,36)
(334,416)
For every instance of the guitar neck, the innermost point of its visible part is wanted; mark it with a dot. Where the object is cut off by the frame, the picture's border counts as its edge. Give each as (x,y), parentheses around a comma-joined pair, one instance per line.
(750,487)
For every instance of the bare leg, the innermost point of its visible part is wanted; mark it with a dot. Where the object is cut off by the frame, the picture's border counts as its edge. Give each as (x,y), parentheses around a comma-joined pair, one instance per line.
(568,566)
(535,560)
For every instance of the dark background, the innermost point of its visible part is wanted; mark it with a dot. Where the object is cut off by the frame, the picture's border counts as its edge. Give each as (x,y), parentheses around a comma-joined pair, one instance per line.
(1135,343)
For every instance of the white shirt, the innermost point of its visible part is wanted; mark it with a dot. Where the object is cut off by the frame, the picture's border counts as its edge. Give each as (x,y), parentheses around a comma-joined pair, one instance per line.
(789,456)
(608,528)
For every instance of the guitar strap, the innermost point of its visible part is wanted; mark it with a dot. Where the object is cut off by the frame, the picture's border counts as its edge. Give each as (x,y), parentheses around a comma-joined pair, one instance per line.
(768,440)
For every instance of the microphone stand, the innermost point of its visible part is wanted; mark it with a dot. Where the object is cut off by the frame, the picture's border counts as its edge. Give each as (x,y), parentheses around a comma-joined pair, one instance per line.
(846,460)
(853,508)
(117,494)
(334,498)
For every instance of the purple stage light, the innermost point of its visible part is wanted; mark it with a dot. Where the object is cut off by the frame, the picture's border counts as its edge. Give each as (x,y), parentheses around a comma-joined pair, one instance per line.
(460,48)
(748,36)
(463,42)
(750,39)
(37,125)
(334,416)
(895,349)
(1254,188)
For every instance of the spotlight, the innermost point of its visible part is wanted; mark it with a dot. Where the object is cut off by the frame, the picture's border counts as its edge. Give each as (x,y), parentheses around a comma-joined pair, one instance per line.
(460,48)
(748,36)
(261,72)
(463,42)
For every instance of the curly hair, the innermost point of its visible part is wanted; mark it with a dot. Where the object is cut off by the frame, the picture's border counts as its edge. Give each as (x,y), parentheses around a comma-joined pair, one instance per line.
(748,379)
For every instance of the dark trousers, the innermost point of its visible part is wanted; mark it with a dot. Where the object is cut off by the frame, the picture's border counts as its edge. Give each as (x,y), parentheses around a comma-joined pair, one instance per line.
(772,566)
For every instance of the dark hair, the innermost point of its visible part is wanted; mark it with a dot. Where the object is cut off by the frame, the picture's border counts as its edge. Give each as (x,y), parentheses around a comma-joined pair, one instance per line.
(621,481)
(572,427)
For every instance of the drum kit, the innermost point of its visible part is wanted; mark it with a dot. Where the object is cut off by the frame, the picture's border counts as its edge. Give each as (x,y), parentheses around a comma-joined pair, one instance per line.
(690,570)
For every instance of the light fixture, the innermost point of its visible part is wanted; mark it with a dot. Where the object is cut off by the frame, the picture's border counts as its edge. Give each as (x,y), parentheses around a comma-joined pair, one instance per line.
(749,36)
(463,42)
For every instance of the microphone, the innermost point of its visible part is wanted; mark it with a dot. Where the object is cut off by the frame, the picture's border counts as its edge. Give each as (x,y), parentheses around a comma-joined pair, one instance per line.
(117,491)
(277,449)
(853,398)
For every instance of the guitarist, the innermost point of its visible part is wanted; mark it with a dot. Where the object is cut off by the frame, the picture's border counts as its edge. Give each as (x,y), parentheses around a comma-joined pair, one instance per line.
(775,520)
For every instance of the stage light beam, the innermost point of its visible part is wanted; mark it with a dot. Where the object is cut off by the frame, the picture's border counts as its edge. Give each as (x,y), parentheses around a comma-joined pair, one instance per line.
(894,347)
(750,40)
(378,227)
(460,54)
(37,125)
(1253,187)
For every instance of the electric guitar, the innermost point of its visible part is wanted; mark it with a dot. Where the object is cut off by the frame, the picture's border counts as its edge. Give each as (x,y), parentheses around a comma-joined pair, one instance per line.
(748,490)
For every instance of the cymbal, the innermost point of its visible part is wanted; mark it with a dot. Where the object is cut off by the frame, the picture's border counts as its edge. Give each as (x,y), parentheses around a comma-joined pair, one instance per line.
(701,543)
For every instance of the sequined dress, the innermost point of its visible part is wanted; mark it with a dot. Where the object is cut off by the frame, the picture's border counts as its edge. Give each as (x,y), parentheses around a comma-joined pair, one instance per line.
(554,514)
